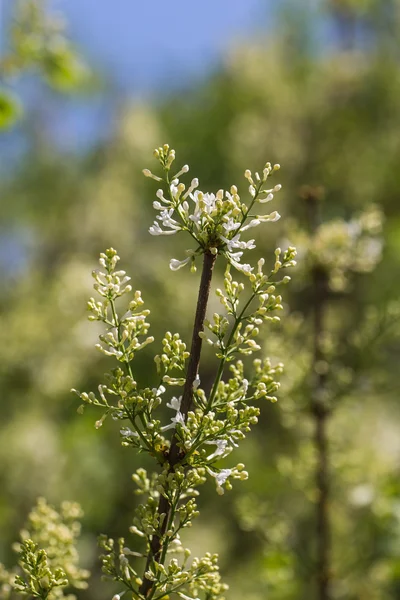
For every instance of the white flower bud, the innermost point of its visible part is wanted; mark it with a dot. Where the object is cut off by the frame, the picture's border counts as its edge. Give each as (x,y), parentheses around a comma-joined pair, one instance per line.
(175,264)
(184,170)
(148,173)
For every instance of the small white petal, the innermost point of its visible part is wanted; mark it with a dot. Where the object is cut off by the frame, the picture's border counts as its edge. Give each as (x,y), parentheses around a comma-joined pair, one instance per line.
(175,264)
(184,169)
(267,199)
(253,223)
(274,216)
(148,173)
(244,268)
(174,403)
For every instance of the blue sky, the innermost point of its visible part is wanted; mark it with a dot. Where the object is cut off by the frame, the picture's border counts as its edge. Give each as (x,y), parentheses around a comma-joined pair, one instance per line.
(143,48)
(147,45)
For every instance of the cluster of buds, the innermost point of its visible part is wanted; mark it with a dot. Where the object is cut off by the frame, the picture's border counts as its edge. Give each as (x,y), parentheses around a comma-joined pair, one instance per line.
(214,221)
(341,247)
(174,354)
(47,554)
(121,339)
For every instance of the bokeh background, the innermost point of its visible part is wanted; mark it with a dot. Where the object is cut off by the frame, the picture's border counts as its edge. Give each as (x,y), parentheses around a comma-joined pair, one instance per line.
(312,85)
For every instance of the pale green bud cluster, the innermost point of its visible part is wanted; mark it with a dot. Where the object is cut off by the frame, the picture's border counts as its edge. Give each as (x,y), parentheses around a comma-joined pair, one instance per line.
(264,379)
(47,554)
(174,354)
(241,338)
(38,580)
(193,575)
(118,559)
(121,339)
(342,247)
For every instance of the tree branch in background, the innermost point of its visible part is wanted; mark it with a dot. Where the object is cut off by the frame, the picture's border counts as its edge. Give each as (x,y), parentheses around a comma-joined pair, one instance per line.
(319,409)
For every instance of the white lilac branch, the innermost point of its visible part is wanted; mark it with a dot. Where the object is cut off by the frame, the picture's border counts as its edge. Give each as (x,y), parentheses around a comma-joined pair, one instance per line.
(204,427)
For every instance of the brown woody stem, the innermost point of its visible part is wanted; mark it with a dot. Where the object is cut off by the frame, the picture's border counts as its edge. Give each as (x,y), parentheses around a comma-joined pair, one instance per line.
(320,412)
(321,415)
(175,453)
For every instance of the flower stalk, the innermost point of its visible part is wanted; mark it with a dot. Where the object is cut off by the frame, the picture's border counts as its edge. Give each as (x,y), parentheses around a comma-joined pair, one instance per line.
(174,455)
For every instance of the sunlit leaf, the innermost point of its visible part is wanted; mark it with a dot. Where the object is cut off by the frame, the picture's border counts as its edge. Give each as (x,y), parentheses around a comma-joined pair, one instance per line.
(10,109)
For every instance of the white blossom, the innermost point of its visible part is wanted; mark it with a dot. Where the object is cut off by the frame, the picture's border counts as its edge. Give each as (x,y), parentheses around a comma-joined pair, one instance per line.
(220,479)
(157,205)
(244,268)
(166,218)
(174,403)
(273,217)
(219,217)
(158,391)
(128,433)
(155,229)
(175,264)
(253,223)
(268,198)
(235,242)
(221,448)
(231,225)
(179,418)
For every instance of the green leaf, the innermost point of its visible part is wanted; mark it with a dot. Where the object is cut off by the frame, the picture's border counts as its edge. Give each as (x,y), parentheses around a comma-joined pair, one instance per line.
(63,70)
(10,109)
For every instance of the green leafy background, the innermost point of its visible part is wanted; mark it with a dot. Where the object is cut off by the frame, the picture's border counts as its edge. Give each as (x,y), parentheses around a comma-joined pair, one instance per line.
(331,118)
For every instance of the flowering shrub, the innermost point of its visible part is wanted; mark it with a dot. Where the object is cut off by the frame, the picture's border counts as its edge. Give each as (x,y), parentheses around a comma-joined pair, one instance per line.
(205,425)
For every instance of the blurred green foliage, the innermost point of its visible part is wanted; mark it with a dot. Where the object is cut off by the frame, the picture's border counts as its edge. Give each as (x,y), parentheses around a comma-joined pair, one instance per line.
(47,555)
(36,43)
(330,117)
